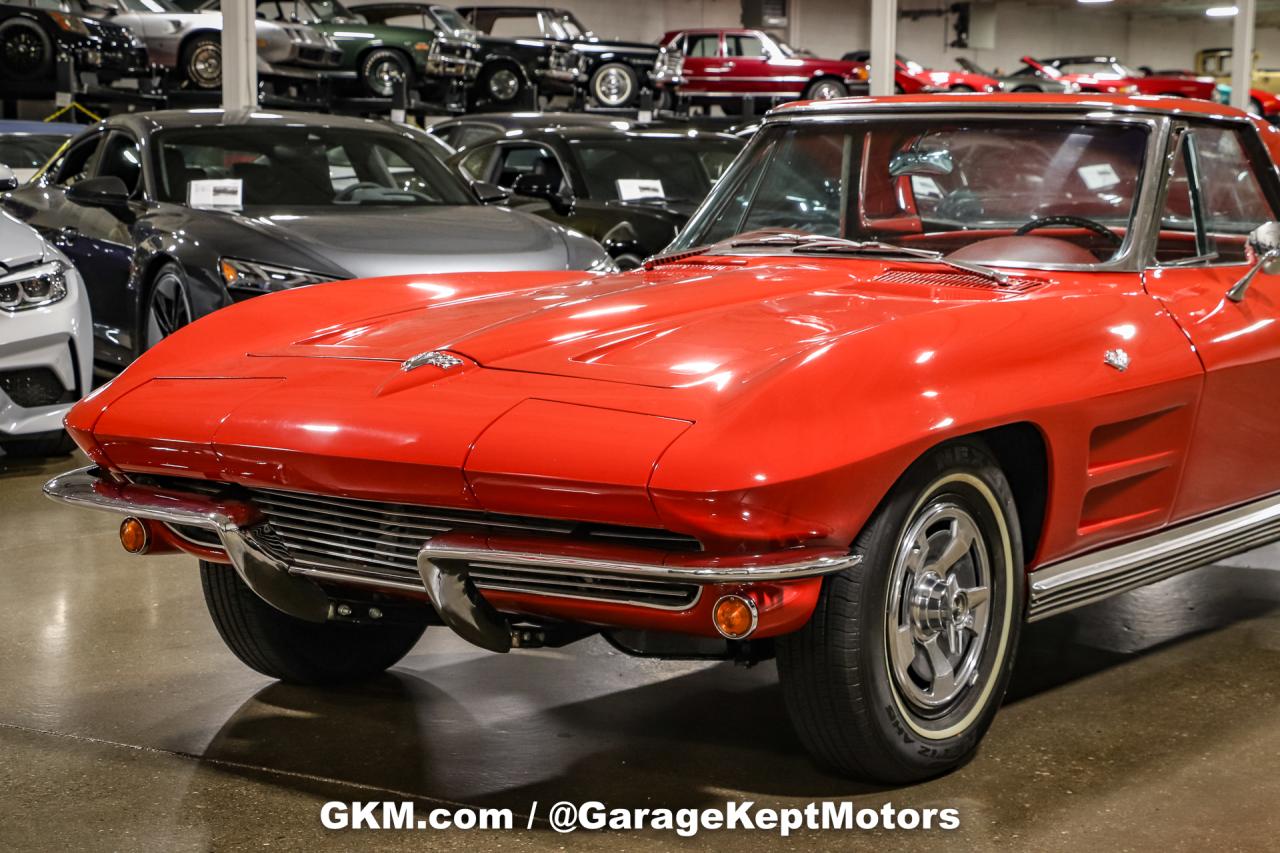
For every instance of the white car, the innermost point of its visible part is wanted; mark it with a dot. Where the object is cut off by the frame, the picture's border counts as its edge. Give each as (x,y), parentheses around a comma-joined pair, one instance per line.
(46,339)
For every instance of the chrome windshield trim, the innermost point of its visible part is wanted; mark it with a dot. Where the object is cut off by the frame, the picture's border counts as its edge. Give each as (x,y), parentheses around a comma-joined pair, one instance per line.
(1137,239)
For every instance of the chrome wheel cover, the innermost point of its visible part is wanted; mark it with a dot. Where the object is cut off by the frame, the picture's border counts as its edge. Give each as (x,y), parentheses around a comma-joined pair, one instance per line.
(613,87)
(938,609)
(826,90)
(23,52)
(168,310)
(383,76)
(205,66)
(503,84)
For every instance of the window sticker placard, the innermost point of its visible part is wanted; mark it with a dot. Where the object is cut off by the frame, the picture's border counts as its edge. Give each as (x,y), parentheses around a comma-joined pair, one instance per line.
(215,193)
(1099,176)
(630,189)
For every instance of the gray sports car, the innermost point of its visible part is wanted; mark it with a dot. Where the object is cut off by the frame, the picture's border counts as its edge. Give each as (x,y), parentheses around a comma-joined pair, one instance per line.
(1021,82)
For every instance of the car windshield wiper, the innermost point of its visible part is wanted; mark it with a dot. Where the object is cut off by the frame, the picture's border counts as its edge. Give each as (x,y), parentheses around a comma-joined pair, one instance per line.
(839,245)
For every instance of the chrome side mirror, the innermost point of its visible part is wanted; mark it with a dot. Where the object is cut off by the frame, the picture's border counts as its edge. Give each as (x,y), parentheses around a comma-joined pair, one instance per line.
(8,180)
(1265,242)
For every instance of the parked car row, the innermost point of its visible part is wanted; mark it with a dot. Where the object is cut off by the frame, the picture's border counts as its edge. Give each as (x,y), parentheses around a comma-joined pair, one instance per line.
(495,55)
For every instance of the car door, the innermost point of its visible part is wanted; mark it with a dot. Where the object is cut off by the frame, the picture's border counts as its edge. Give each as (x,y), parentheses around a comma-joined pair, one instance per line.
(704,67)
(750,69)
(1222,186)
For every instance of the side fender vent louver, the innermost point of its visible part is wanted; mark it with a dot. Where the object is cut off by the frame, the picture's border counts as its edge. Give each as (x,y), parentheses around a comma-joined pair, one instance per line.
(957,279)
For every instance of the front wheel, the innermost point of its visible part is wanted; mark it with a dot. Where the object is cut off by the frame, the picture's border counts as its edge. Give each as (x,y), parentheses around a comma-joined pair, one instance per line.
(202,62)
(903,665)
(614,85)
(501,84)
(168,306)
(825,90)
(285,647)
(381,69)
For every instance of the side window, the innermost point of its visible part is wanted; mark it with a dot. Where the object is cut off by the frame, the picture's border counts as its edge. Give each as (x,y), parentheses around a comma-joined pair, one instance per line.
(120,159)
(1213,201)
(77,162)
(517,160)
(466,135)
(516,26)
(1234,202)
(705,45)
(748,47)
(475,165)
(1180,238)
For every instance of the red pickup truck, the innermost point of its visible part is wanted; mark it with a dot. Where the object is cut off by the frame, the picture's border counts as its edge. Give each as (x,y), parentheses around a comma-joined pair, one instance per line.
(727,65)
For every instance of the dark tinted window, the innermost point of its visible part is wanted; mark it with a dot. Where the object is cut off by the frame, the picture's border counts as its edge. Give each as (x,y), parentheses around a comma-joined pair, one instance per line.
(685,169)
(307,166)
(28,150)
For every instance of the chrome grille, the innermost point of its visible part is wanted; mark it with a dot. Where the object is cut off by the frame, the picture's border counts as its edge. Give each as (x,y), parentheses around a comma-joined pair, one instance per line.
(344,538)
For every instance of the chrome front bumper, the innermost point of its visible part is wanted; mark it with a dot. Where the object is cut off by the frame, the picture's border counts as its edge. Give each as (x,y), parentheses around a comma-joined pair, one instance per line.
(444,562)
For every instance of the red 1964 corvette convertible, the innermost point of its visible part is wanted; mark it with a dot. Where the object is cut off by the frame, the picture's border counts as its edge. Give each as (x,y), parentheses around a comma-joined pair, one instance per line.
(919,370)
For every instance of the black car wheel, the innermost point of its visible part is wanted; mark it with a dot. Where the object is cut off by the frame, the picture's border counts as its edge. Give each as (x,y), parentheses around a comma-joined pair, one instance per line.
(1027,89)
(500,84)
(380,70)
(614,85)
(282,646)
(202,62)
(168,306)
(26,52)
(902,666)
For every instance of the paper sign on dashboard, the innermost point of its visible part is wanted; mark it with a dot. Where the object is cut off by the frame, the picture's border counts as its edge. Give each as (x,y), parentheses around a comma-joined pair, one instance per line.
(215,193)
(630,189)
(1099,177)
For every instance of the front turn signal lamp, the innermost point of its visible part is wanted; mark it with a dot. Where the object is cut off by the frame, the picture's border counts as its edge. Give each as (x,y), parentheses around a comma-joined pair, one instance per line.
(134,536)
(735,617)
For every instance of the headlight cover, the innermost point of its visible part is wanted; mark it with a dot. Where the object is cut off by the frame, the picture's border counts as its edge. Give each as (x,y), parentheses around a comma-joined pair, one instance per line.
(256,277)
(33,287)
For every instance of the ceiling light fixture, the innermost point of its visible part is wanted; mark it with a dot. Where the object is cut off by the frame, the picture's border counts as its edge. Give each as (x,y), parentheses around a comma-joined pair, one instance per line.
(1222,11)
(1091,2)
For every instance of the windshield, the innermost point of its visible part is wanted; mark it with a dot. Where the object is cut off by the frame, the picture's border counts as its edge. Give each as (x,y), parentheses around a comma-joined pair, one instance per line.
(305,167)
(28,150)
(653,168)
(450,20)
(938,184)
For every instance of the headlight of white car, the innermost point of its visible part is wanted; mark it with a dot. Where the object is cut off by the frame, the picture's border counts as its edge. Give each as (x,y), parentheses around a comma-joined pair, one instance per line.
(42,284)
(264,278)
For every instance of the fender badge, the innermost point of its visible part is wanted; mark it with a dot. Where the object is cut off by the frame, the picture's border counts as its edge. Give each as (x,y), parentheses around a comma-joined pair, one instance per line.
(435,358)
(1117,358)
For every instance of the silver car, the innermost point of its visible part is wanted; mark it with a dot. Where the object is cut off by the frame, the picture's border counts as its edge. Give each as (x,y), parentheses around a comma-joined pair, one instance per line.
(190,43)
(46,339)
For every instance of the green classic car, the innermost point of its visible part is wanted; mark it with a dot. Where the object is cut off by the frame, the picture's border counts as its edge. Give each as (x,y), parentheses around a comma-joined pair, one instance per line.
(436,64)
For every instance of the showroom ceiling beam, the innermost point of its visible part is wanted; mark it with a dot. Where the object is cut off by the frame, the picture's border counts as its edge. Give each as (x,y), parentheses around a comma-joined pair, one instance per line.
(884,37)
(1242,53)
(239,55)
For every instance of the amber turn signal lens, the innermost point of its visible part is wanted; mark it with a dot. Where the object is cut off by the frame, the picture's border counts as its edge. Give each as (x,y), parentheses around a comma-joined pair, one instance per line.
(735,617)
(134,536)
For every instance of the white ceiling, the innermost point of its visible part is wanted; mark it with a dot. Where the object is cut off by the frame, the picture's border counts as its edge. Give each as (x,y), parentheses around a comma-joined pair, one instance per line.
(1268,10)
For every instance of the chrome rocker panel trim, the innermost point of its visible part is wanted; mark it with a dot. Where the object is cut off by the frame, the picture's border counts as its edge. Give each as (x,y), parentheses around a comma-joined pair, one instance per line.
(264,574)
(1093,577)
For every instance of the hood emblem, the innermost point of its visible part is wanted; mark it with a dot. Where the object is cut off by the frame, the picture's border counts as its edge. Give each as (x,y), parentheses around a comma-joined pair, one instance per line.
(435,358)
(1117,358)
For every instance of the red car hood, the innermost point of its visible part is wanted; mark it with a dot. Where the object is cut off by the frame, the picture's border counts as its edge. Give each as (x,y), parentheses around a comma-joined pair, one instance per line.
(305,389)
(718,321)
